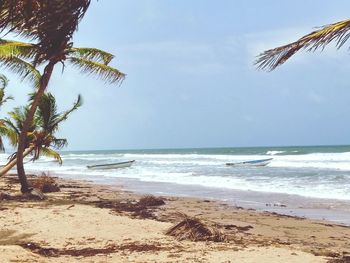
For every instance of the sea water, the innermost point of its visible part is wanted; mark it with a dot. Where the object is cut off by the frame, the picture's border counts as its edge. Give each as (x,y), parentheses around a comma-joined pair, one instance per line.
(317,171)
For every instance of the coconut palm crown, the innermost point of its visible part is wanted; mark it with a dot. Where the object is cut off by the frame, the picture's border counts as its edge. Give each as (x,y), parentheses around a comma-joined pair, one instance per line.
(338,32)
(50,22)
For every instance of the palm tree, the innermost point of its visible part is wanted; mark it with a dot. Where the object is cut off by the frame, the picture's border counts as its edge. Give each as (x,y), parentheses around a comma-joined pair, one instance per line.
(52,23)
(41,139)
(338,32)
(3,84)
(17,56)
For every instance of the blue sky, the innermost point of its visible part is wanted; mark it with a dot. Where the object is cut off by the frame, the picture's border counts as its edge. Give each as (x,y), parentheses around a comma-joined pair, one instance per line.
(191,80)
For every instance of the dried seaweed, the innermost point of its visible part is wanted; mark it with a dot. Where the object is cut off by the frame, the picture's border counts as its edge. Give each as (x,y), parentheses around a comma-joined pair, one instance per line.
(89,252)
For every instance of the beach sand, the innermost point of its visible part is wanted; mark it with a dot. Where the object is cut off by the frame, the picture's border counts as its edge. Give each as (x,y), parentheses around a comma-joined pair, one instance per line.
(86,222)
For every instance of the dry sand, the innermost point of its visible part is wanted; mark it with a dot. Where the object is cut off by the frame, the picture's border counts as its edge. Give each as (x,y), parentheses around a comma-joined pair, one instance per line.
(92,223)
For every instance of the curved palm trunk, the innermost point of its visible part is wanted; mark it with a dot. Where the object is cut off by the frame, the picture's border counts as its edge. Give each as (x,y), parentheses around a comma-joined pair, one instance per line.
(26,125)
(12,163)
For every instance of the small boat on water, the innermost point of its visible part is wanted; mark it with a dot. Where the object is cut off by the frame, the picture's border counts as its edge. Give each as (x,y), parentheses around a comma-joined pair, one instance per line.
(112,165)
(262,162)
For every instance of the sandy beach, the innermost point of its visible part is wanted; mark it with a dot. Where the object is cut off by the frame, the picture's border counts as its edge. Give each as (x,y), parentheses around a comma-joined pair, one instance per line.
(87,222)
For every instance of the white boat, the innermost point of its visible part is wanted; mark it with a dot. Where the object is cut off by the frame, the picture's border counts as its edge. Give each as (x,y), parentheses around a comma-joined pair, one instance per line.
(262,162)
(112,165)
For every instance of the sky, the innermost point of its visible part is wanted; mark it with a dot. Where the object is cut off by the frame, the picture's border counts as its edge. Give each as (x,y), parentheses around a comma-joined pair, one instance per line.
(191,79)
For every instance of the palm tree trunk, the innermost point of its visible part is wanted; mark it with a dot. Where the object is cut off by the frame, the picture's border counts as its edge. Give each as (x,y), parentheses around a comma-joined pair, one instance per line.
(44,80)
(12,163)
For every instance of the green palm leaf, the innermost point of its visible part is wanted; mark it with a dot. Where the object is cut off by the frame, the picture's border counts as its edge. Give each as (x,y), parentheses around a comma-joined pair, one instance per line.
(18,49)
(9,130)
(4,81)
(51,153)
(24,69)
(339,32)
(107,73)
(47,111)
(94,54)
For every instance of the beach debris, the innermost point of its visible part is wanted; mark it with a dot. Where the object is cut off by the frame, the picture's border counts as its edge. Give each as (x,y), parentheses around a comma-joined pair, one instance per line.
(239,228)
(5,196)
(45,184)
(69,207)
(150,200)
(343,259)
(191,228)
(89,252)
(143,208)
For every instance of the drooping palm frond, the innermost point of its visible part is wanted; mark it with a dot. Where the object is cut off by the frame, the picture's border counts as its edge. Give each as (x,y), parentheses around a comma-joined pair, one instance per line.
(9,130)
(105,72)
(339,32)
(24,69)
(50,153)
(59,143)
(94,54)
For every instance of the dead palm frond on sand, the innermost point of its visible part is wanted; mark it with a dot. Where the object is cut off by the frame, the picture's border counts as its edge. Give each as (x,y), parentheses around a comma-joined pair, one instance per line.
(191,228)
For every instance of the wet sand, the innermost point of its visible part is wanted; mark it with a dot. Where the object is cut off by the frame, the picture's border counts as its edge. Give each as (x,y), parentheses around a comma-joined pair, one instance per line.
(337,211)
(87,222)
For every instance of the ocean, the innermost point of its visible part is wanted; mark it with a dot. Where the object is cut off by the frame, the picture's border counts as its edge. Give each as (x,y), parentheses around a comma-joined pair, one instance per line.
(311,171)
(316,172)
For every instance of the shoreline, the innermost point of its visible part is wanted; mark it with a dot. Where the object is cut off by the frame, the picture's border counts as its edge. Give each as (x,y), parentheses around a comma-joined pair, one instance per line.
(60,224)
(334,210)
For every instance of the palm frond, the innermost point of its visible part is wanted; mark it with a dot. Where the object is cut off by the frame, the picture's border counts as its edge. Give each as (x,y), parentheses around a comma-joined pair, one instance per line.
(339,32)
(24,69)
(4,81)
(3,131)
(51,153)
(47,111)
(18,116)
(63,116)
(59,143)
(9,130)
(18,49)
(94,54)
(4,99)
(107,73)
(38,19)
